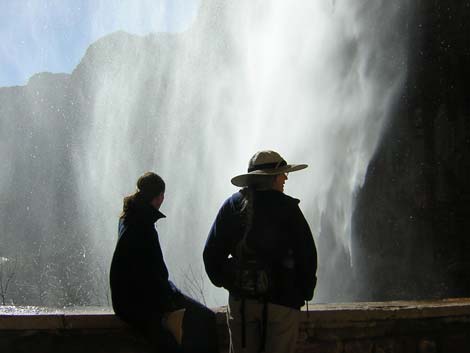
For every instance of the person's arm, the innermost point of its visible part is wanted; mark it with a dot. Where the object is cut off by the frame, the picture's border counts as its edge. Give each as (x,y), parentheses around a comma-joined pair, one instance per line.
(150,266)
(217,249)
(305,254)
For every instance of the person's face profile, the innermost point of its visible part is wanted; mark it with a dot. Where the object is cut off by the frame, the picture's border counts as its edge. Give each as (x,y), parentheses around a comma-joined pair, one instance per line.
(158,200)
(279,182)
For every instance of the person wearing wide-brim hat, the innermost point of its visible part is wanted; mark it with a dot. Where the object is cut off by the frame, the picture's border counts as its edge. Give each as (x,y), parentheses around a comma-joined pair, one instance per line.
(263,224)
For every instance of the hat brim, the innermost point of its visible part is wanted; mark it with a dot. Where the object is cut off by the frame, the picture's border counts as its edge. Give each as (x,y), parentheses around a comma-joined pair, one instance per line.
(248,178)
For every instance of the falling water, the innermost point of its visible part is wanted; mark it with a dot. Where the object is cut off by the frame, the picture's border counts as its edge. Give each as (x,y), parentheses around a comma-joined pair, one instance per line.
(313,80)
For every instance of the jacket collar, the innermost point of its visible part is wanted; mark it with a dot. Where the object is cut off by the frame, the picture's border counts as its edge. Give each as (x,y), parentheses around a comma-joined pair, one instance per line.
(151,214)
(159,215)
(145,212)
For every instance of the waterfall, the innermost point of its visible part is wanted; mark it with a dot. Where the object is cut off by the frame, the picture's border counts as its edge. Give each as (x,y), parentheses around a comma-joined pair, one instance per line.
(314,80)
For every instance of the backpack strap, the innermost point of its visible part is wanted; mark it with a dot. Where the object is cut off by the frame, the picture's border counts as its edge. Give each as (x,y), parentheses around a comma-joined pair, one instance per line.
(243,248)
(242,313)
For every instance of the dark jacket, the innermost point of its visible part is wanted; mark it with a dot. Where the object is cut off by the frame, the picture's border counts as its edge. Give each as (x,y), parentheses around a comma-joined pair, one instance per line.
(139,277)
(278,228)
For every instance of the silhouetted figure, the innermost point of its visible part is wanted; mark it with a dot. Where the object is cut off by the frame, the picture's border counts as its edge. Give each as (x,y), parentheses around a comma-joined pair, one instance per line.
(141,293)
(261,250)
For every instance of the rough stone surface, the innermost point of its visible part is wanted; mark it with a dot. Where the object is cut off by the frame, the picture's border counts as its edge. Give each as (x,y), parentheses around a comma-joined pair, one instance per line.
(388,327)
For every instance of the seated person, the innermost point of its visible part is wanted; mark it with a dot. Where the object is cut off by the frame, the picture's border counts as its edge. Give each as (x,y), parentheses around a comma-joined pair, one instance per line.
(141,293)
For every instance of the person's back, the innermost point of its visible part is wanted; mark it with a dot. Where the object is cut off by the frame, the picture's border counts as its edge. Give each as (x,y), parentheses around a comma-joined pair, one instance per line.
(271,226)
(141,293)
(138,276)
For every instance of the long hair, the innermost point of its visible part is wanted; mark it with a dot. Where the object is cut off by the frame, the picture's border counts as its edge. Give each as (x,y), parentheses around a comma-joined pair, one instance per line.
(262,182)
(128,204)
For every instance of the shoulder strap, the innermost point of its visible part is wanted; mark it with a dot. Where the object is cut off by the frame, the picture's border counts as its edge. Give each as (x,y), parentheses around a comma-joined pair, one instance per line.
(242,246)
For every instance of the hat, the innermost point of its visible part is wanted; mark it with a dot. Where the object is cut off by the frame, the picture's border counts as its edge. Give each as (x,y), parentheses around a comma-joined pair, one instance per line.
(265,163)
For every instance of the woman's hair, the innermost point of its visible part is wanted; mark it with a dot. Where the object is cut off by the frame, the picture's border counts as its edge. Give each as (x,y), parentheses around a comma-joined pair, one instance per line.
(257,182)
(149,186)
(260,182)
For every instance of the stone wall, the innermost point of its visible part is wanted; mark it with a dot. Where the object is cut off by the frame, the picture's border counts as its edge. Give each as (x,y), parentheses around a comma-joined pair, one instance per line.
(387,327)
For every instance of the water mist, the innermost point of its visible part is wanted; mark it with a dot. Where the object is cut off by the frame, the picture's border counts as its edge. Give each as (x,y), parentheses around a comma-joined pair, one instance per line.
(313,80)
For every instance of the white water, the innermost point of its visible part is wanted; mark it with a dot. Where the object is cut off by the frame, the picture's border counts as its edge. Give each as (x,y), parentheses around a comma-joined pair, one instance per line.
(313,80)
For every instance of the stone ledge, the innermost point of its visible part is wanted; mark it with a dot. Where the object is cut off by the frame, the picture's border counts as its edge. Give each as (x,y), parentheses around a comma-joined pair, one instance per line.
(319,315)
(380,327)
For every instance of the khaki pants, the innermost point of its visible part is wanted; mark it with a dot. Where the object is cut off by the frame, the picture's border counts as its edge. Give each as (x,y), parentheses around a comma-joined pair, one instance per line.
(281,331)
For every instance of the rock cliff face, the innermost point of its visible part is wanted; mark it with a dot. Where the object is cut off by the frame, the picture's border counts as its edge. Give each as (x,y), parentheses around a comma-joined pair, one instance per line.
(58,140)
(412,219)
(44,127)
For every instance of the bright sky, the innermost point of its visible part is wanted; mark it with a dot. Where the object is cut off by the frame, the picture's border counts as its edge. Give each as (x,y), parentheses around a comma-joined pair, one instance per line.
(53,35)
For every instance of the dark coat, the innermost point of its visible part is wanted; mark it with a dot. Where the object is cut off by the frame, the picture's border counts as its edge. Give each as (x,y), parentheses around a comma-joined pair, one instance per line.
(140,288)
(278,227)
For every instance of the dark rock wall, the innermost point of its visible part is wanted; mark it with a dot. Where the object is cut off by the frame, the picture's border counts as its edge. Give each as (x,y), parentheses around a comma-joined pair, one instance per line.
(411,225)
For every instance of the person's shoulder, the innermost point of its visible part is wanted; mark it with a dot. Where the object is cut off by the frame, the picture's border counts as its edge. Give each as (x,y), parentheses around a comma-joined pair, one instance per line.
(237,196)
(234,198)
(289,199)
(232,201)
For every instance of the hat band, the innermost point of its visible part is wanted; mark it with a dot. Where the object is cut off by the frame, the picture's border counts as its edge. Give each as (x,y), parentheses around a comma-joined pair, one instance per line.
(282,163)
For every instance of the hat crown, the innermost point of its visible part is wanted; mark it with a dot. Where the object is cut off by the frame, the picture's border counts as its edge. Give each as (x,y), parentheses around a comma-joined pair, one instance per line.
(266,160)
(265,163)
